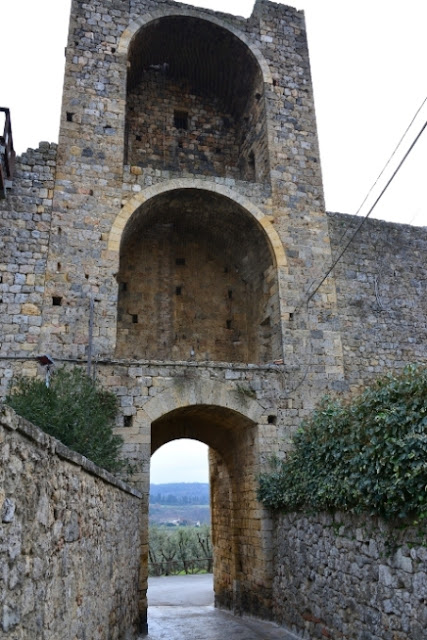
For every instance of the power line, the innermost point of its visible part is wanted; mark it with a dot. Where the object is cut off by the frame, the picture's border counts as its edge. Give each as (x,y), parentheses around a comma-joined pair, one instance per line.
(405,133)
(335,262)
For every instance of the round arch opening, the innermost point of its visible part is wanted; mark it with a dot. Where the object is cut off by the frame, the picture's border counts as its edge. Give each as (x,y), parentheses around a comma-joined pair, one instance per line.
(233,466)
(195,101)
(197,281)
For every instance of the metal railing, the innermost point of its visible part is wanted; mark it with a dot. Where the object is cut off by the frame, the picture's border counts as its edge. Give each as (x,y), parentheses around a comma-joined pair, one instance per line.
(7,154)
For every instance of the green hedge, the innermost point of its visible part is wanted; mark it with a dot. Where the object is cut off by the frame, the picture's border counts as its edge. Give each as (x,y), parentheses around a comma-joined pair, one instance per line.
(369,455)
(74,409)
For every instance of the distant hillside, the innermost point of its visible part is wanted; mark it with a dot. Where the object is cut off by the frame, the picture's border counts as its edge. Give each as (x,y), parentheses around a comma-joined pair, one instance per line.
(180,493)
(187,514)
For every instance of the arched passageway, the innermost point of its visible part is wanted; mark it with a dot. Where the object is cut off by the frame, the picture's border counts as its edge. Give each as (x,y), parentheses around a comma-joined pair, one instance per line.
(197,281)
(195,101)
(241,569)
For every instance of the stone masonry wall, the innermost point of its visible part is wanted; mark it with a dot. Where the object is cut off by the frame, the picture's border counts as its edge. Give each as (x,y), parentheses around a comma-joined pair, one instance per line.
(64,248)
(232,409)
(381,295)
(69,542)
(203,145)
(25,217)
(91,169)
(201,110)
(221,525)
(94,186)
(350,578)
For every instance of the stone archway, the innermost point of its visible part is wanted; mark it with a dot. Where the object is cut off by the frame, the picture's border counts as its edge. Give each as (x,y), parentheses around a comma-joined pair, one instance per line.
(231,438)
(133,28)
(195,97)
(232,424)
(134,203)
(198,276)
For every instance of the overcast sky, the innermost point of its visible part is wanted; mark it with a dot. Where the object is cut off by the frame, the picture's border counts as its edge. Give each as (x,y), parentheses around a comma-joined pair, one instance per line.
(368,62)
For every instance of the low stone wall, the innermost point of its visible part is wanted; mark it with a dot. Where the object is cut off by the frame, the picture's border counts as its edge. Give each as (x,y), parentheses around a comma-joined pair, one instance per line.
(350,578)
(69,542)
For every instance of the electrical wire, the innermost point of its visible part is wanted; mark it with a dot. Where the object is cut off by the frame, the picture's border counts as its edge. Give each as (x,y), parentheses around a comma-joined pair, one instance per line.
(389,181)
(397,147)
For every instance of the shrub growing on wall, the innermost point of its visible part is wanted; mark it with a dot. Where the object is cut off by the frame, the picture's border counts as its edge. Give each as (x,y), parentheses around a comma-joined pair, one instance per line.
(74,409)
(369,455)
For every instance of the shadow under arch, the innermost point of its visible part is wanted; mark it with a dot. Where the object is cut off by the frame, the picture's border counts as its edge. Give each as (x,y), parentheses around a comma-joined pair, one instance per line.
(198,275)
(136,25)
(132,205)
(195,97)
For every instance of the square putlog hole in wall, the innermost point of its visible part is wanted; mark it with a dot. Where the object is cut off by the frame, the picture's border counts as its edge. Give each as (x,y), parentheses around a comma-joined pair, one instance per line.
(127,421)
(56,301)
(180,120)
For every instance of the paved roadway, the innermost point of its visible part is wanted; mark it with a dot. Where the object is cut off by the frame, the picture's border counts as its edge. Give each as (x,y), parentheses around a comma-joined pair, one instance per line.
(181,608)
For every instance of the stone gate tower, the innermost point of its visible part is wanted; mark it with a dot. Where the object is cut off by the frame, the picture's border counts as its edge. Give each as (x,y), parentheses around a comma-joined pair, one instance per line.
(184,204)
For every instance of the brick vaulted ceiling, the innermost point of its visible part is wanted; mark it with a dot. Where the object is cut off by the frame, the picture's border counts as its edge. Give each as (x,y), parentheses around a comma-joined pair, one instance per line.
(212,60)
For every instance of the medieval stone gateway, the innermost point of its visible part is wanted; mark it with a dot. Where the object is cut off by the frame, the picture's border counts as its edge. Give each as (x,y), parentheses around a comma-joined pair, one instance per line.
(184,205)
(235,433)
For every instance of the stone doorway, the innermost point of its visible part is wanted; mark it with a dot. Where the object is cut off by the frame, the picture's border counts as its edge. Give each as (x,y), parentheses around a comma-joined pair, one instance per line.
(242,577)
